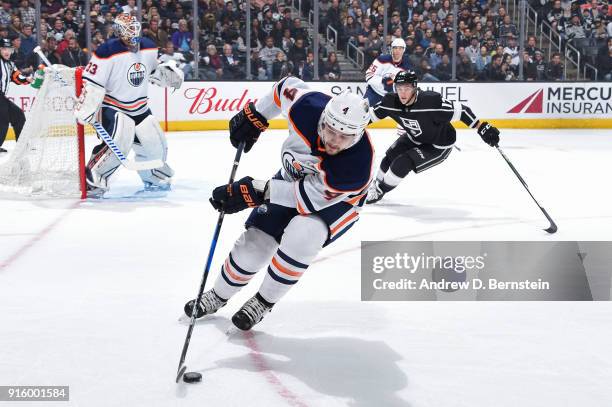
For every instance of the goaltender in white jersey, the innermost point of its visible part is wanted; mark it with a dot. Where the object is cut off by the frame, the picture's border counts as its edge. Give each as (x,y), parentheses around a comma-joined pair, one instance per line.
(116,82)
(326,165)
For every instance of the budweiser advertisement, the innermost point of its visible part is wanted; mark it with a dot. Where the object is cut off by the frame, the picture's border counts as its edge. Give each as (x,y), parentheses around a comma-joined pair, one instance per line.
(206,101)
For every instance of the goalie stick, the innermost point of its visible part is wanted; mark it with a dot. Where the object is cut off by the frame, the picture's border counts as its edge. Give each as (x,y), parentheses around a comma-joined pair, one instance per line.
(108,140)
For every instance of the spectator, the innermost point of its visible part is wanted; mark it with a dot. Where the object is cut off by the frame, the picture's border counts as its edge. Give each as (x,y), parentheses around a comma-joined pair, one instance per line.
(443,70)
(157,34)
(506,29)
(483,59)
(333,15)
(182,38)
(436,57)
(27,13)
(28,40)
(19,58)
(231,65)
(297,53)
(555,68)
(5,13)
(465,70)
(473,51)
(425,72)
(331,68)
(494,69)
(373,47)
(529,68)
(73,56)
(258,67)
(540,66)
(3,32)
(287,42)
(268,55)
(575,30)
(50,50)
(213,66)
(15,27)
(306,68)
(298,31)
(531,46)
(281,67)
(512,50)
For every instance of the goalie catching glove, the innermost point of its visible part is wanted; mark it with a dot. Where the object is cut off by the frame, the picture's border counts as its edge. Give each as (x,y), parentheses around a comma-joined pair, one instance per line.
(247,125)
(242,194)
(489,134)
(167,75)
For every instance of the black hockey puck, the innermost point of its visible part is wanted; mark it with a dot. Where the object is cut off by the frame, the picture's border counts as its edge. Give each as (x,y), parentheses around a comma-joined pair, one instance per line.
(192,377)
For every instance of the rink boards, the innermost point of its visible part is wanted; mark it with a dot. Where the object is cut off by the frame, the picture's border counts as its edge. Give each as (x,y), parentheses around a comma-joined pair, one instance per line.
(202,105)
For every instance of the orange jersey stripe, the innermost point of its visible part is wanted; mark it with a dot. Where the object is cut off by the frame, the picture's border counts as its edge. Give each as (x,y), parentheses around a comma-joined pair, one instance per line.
(137,104)
(284,269)
(344,222)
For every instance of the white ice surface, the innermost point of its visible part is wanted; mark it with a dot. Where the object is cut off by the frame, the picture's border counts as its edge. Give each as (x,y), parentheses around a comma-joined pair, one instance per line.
(90,292)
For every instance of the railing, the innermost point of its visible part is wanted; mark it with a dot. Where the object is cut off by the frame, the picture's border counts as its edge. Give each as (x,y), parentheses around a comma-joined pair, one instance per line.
(311,18)
(531,20)
(595,71)
(355,55)
(569,58)
(334,33)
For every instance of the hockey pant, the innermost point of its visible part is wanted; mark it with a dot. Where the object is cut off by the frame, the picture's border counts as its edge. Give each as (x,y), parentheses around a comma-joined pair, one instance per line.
(405,155)
(11,114)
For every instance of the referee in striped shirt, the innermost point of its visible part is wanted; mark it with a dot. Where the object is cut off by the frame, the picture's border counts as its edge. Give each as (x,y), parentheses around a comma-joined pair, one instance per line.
(9,112)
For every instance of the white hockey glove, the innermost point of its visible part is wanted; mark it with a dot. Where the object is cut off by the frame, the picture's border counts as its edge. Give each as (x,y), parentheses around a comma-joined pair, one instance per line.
(168,75)
(89,102)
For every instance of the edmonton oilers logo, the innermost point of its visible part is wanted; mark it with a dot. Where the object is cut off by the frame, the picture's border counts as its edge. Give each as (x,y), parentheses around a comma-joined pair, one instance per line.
(136,74)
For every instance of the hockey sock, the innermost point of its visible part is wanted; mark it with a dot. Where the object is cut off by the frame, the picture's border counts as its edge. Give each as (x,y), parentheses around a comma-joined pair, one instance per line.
(250,253)
(302,241)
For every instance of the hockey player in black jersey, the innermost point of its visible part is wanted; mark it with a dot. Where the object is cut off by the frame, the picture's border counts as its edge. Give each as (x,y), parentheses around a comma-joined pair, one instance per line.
(428,135)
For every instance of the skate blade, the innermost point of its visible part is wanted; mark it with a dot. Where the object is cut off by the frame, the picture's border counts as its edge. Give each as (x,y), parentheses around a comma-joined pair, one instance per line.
(231,330)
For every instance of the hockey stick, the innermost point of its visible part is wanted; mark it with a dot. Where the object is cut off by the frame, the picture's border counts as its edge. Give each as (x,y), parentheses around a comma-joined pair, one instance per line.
(182,367)
(553,226)
(108,140)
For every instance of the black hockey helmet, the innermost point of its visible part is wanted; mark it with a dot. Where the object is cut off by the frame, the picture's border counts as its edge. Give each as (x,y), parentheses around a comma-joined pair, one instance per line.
(408,76)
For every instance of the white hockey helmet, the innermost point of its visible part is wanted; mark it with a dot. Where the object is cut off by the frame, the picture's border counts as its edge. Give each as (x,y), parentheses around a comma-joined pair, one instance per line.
(398,42)
(347,113)
(127,28)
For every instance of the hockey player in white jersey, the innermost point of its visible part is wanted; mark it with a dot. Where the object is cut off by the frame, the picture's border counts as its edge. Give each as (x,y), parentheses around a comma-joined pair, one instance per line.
(382,71)
(327,164)
(116,84)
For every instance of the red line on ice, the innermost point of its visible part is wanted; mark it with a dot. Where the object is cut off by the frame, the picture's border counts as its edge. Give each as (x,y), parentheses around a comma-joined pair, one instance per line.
(260,363)
(37,238)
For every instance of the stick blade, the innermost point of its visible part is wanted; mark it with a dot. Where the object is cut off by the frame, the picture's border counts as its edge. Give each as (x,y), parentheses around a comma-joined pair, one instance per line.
(552,229)
(180,372)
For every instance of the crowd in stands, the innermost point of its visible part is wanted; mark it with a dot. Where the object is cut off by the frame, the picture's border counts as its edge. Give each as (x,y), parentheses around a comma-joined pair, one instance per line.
(487,37)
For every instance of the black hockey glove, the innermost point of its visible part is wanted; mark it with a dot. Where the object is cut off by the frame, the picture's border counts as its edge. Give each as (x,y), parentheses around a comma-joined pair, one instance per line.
(387,82)
(232,198)
(489,134)
(247,125)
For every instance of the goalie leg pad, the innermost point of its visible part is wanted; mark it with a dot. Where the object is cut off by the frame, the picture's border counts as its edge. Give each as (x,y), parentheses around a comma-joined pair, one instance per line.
(151,145)
(251,252)
(103,162)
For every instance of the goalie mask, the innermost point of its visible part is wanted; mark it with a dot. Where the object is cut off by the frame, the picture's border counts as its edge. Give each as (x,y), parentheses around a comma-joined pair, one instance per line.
(127,28)
(343,121)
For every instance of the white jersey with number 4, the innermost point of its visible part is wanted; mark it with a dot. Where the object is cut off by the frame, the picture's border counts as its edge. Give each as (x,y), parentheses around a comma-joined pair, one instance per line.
(124,74)
(313,180)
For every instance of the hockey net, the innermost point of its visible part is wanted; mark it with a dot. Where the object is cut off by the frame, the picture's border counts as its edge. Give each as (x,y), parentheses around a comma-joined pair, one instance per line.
(48,160)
